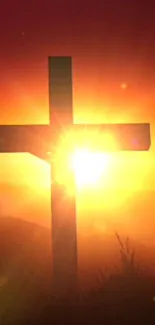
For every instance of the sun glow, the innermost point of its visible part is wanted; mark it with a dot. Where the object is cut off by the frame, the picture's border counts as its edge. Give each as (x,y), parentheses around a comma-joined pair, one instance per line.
(88,167)
(80,154)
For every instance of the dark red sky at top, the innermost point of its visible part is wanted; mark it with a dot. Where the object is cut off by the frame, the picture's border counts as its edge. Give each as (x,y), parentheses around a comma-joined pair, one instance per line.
(85,24)
(87,28)
(82,23)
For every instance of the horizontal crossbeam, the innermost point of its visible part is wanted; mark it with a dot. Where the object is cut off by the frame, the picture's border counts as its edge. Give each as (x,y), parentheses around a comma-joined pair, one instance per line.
(37,139)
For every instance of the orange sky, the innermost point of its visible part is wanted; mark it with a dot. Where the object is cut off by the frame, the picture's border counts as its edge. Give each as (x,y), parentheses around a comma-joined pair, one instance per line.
(109,48)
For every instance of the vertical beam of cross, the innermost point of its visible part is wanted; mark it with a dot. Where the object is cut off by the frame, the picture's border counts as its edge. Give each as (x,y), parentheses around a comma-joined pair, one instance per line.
(64,238)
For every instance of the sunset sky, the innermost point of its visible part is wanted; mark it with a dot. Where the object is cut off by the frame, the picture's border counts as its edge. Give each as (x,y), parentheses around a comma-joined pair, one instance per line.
(113,50)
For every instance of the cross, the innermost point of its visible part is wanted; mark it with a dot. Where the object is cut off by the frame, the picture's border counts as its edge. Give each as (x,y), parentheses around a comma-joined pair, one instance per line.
(39,139)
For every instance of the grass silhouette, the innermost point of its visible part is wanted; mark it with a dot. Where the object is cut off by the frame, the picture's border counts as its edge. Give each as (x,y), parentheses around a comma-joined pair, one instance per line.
(124,296)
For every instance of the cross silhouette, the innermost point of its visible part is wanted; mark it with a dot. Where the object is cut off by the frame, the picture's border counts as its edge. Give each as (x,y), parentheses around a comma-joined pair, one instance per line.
(39,140)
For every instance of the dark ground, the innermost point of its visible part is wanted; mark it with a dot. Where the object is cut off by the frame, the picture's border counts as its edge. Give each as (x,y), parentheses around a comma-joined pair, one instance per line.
(124,297)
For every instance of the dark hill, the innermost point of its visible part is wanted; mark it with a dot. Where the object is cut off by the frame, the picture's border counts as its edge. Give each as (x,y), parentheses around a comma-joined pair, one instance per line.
(25,265)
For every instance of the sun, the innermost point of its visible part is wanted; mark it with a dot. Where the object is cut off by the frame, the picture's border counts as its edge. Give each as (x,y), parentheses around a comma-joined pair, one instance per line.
(88,167)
